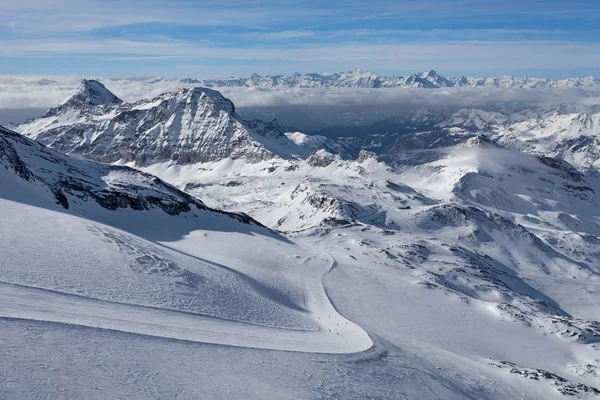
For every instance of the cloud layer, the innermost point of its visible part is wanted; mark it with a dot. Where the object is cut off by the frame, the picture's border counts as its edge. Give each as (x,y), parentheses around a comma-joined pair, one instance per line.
(314,107)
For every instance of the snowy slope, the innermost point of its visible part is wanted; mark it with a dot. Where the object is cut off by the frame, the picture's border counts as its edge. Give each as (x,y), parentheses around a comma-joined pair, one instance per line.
(506,240)
(435,333)
(568,132)
(472,192)
(116,241)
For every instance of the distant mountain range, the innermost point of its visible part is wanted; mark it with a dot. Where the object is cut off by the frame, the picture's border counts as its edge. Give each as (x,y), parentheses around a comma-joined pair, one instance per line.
(365,79)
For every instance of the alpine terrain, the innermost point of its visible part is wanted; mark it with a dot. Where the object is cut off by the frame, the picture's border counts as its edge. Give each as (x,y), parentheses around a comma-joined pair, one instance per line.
(170,248)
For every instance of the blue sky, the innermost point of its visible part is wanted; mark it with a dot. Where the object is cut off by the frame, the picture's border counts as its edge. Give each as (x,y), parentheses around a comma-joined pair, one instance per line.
(232,37)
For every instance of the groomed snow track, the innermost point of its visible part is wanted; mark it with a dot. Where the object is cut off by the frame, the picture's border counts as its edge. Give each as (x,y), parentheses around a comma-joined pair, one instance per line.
(336,335)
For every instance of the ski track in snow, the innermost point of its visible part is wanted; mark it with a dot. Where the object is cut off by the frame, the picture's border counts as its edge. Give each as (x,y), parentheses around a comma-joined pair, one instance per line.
(336,335)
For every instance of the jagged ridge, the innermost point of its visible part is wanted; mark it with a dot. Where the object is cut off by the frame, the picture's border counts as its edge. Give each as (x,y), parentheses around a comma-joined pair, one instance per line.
(364,79)
(190,125)
(69,182)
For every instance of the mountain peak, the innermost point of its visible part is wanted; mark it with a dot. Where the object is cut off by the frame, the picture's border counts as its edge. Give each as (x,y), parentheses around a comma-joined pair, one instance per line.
(185,126)
(359,71)
(220,102)
(94,93)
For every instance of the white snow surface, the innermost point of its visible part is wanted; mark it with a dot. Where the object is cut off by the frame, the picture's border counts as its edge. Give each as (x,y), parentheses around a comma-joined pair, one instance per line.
(466,268)
(199,276)
(486,251)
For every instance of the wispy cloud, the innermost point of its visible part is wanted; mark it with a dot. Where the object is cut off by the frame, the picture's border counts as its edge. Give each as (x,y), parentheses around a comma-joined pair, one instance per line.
(345,21)
(453,55)
(68,16)
(298,35)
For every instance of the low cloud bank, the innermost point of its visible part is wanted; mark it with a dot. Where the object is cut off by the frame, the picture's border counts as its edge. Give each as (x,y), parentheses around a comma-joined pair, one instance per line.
(455,97)
(305,108)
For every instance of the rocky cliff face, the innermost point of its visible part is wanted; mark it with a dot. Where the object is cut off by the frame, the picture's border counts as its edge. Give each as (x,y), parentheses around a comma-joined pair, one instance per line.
(188,126)
(73,184)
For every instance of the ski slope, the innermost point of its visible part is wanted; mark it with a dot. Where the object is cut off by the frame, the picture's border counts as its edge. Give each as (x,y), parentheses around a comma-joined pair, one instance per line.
(112,248)
(330,333)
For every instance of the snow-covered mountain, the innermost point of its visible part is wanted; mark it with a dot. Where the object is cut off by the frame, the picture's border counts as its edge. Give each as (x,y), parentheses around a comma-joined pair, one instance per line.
(567,132)
(460,250)
(50,178)
(190,125)
(147,258)
(571,133)
(365,79)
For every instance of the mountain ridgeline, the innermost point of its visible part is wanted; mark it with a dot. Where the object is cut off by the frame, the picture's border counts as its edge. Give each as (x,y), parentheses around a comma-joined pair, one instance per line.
(199,125)
(186,126)
(365,79)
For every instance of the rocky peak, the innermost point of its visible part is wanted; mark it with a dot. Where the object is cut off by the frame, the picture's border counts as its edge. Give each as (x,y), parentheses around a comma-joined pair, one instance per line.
(461,81)
(187,126)
(9,157)
(190,81)
(320,158)
(360,78)
(365,155)
(266,128)
(92,93)
(200,94)
(482,141)
(419,81)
